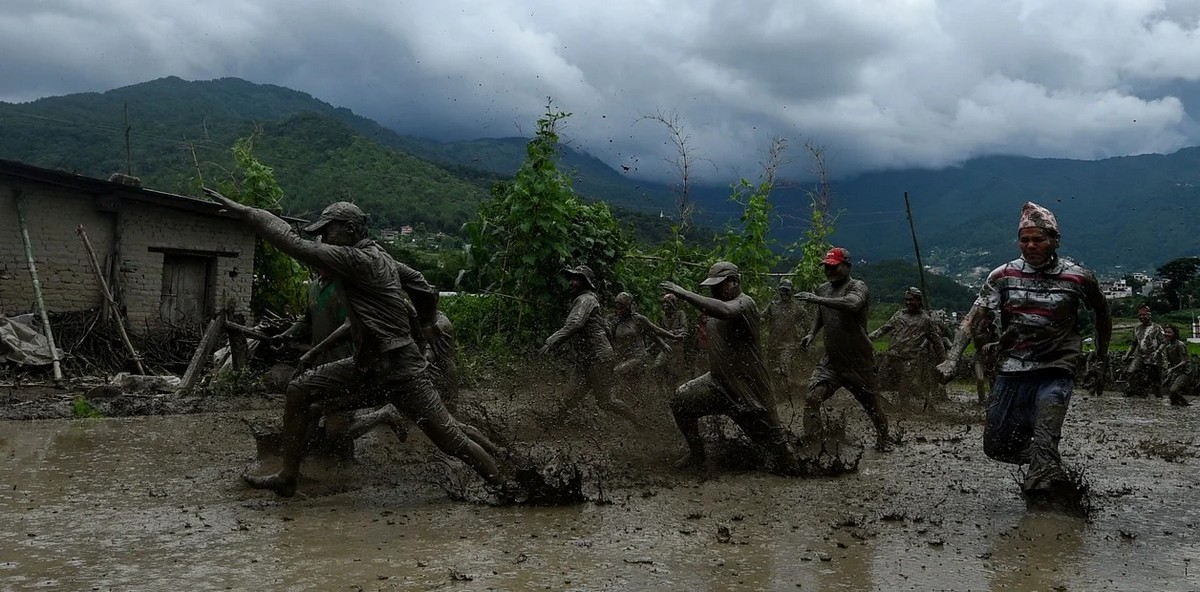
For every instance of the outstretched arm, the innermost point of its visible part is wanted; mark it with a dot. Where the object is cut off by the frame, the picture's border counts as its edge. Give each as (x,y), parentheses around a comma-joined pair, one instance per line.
(887,327)
(712,307)
(279,233)
(580,311)
(961,338)
(851,301)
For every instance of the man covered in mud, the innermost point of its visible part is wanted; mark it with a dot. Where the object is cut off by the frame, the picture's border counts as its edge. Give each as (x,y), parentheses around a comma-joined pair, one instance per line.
(586,329)
(914,349)
(669,365)
(387,364)
(628,332)
(849,360)
(785,319)
(1039,297)
(737,384)
(1144,358)
(325,312)
(1178,379)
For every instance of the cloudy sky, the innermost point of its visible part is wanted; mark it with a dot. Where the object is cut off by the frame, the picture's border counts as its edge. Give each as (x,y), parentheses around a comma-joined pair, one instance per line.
(876,84)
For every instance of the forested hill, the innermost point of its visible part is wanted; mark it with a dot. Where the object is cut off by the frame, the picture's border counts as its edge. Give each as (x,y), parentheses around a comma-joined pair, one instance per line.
(1117,215)
(319,152)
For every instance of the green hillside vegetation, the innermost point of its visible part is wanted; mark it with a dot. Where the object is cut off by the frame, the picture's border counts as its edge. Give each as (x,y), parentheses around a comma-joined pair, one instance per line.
(181,133)
(887,281)
(1128,213)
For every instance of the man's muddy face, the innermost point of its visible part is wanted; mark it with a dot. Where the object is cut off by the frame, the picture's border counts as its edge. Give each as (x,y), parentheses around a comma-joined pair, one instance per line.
(338,233)
(1037,247)
(578,283)
(727,290)
(912,303)
(1144,317)
(837,273)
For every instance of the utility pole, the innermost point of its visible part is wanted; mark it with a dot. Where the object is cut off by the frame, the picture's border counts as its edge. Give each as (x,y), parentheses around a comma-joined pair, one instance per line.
(128,148)
(917,250)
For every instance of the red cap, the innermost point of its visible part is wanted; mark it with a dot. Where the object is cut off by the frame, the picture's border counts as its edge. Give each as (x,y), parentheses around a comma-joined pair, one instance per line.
(836,256)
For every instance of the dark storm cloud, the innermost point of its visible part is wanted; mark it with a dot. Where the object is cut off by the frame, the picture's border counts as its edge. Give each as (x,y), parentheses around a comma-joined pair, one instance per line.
(878,84)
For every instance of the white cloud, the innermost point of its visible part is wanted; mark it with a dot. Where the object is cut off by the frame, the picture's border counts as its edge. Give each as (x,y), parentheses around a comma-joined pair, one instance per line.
(878,83)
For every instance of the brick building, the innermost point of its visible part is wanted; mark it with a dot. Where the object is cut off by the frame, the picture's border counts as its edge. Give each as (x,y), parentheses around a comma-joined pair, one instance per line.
(170,259)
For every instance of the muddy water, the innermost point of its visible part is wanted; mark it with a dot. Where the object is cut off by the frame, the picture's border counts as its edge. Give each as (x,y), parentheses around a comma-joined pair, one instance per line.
(153,503)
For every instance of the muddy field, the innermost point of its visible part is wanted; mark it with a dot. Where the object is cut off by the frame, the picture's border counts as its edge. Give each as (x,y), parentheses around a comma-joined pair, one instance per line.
(153,502)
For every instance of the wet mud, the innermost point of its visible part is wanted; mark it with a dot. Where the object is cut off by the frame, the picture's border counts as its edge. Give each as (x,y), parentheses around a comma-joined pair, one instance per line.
(154,502)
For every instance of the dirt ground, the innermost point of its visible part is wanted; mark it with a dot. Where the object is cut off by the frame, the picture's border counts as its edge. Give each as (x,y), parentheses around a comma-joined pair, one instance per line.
(148,498)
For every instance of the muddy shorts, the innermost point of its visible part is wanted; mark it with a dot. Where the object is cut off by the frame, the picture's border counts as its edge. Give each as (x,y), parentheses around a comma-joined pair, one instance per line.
(1012,410)
(853,380)
(704,396)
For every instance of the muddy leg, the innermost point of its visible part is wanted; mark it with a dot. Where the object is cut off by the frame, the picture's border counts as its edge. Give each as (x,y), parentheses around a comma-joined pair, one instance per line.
(599,377)
(870,403)
(477,437)
(384,416)
(296,422)
(817,395)
(1009,423)
(694,399)
(1045,465)
(416,397)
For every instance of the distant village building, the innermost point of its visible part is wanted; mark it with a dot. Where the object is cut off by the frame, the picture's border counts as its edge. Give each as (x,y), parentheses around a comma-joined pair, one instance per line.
(388,236)
(171,260)
(1116,290)
(406,230)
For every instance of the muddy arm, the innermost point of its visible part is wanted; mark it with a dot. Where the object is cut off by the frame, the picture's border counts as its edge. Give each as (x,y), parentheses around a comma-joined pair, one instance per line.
(580,311)
(712,307)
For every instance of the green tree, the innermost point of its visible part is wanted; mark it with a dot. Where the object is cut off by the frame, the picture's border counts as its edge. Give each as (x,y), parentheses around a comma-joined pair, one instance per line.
(1178,273)
(530,229)
(808,272)
(279,280)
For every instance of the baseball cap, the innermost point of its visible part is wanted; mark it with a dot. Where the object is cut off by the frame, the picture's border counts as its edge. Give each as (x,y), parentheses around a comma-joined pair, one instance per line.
(719,272)
(835,256)
(342,211)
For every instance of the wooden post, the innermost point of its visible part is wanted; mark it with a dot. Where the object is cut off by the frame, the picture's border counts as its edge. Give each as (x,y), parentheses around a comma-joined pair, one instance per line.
(917,249)
(215,328)
(37,284)
(111,304)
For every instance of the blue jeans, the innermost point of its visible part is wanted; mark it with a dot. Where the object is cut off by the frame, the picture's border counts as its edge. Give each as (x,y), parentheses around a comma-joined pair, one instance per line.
(1024,417)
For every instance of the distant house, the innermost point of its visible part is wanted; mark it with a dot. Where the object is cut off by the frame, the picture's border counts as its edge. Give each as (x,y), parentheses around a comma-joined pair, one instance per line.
(406,230)
(388,236)
(1116,290)
(172,260)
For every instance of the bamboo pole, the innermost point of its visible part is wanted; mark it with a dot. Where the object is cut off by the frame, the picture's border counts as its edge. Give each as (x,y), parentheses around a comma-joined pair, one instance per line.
(111,307)
(917,249)
(37,284)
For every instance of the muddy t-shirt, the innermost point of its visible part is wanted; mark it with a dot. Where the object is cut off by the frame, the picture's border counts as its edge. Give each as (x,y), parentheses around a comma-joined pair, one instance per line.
(1176,352)
(1040,309)
(628,336)
(849,357)
(734,357)
(1147,339)
(786,321)
(913,335)
(586,329)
